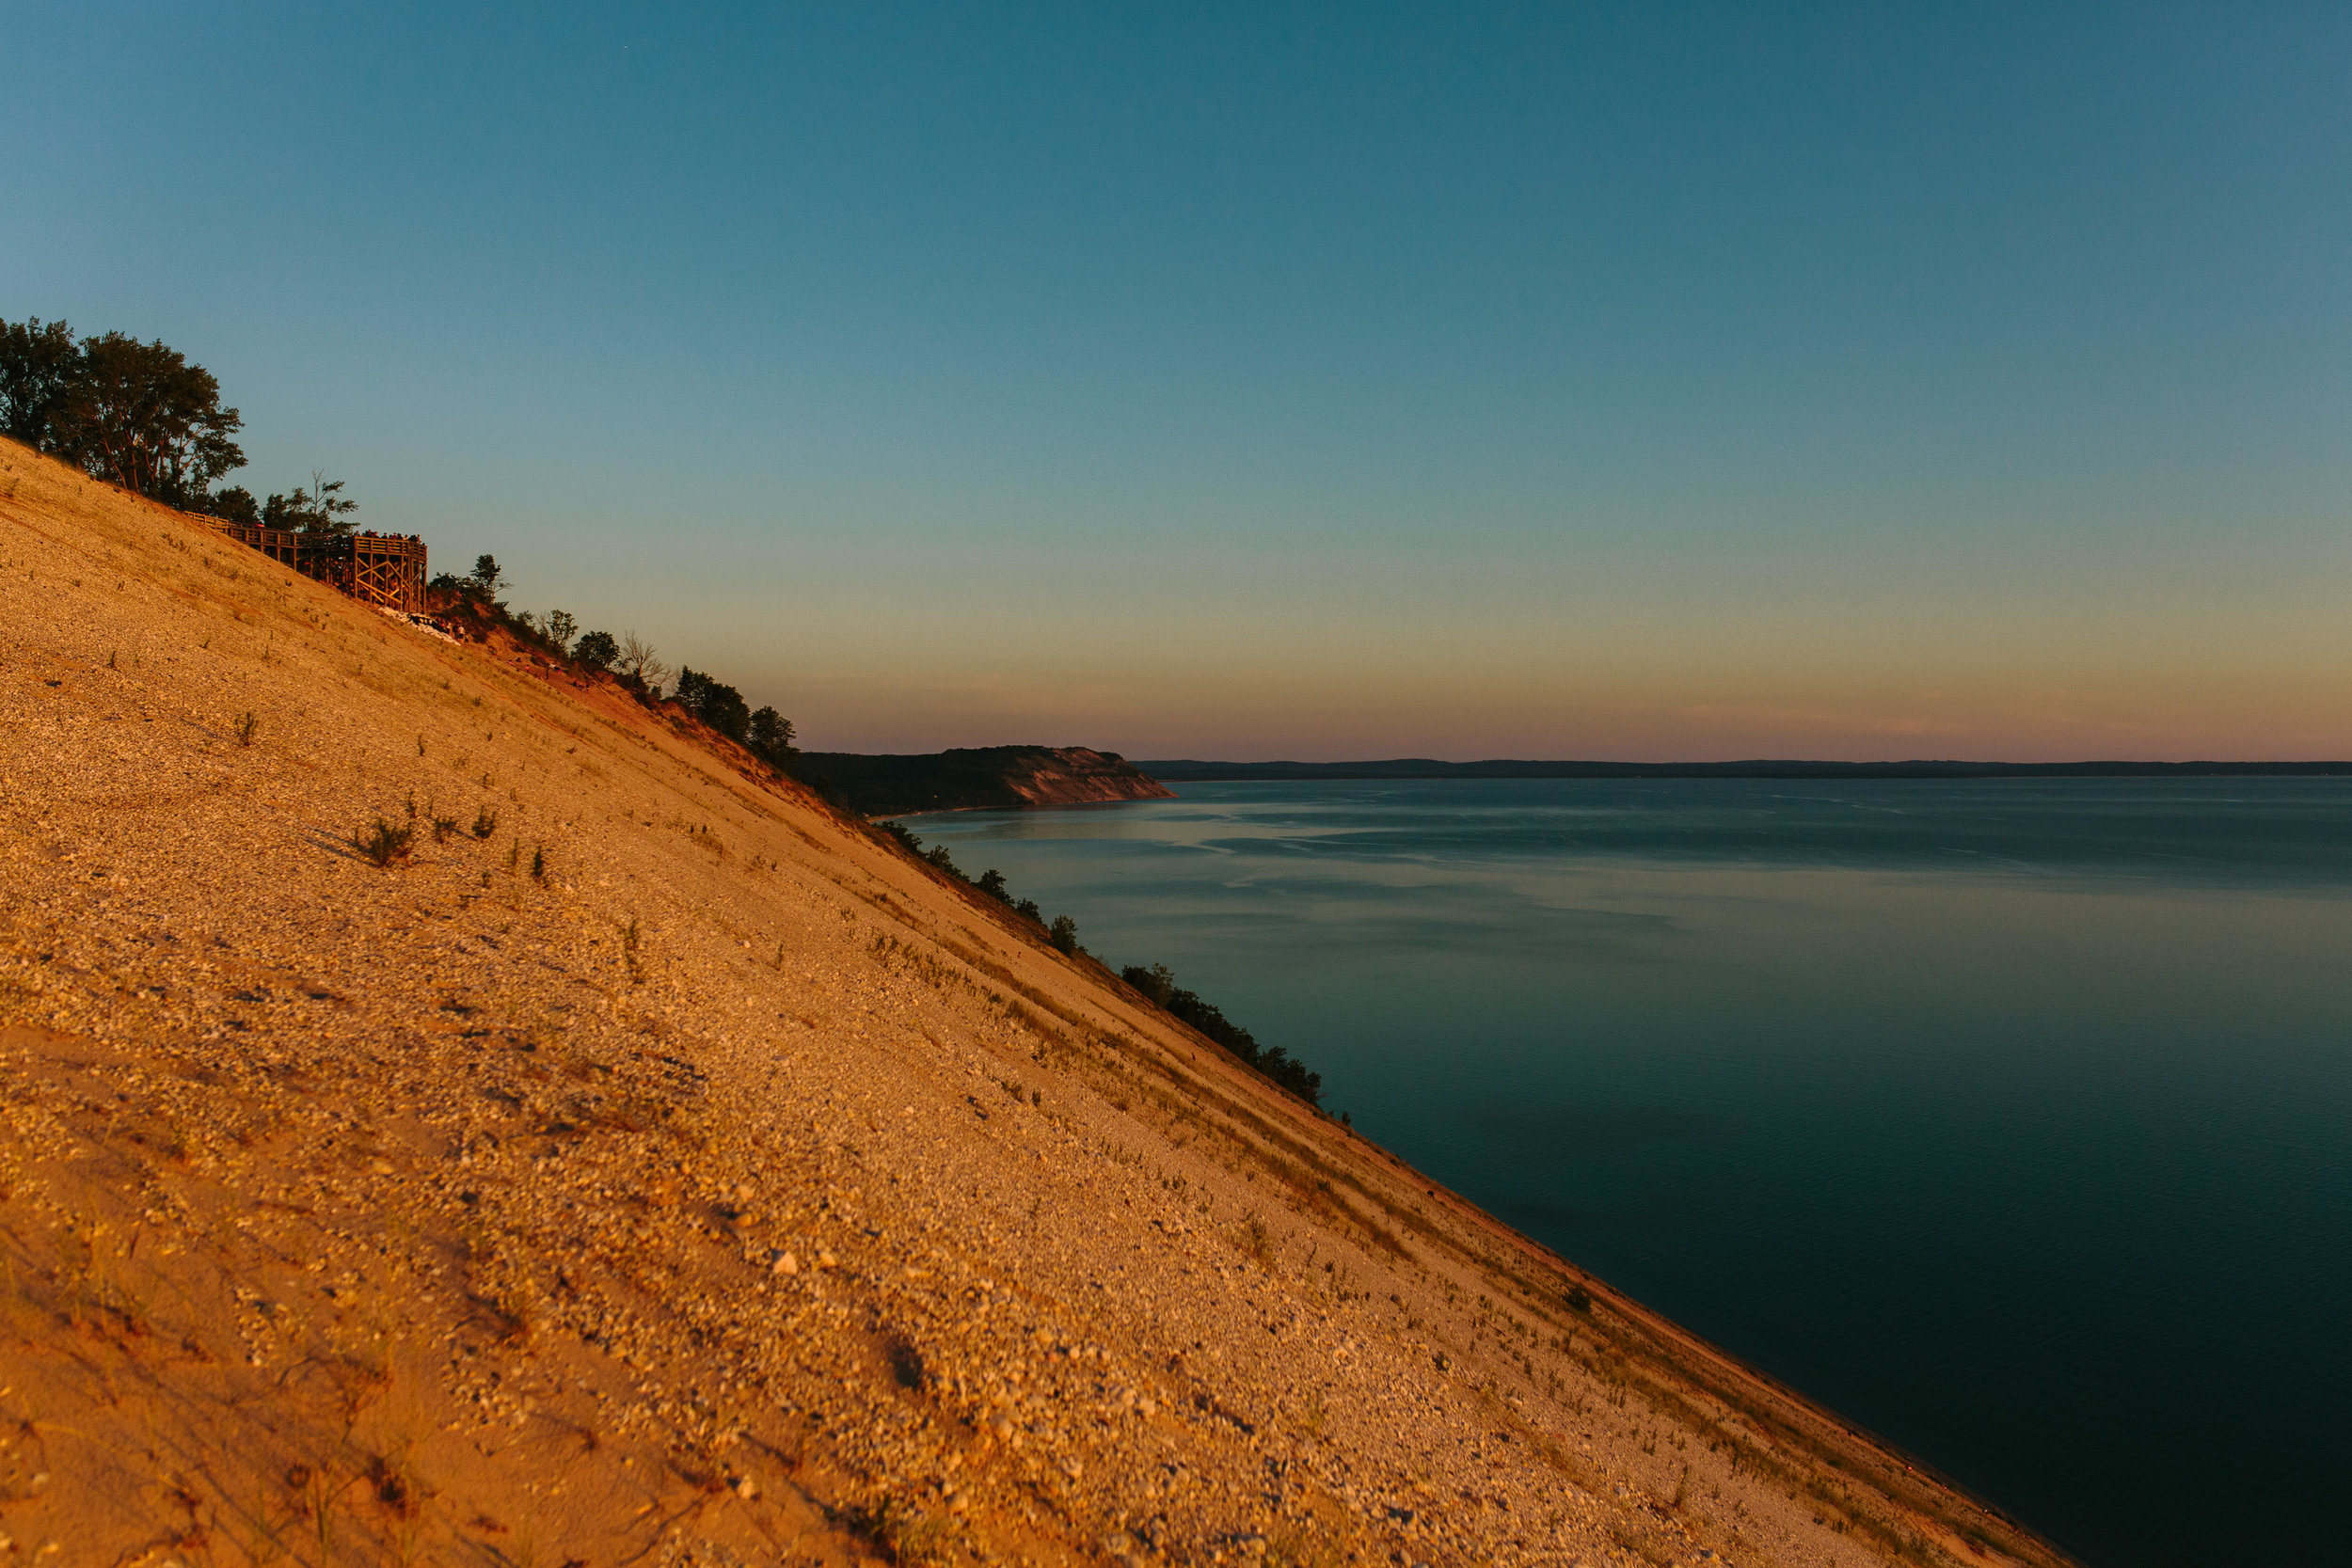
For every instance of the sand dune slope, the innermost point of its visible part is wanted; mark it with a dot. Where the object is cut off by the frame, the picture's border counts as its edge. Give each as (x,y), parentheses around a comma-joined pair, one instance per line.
(653,1168)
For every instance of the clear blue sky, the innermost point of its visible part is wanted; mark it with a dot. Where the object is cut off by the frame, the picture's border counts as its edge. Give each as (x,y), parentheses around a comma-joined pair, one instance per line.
(1675,380)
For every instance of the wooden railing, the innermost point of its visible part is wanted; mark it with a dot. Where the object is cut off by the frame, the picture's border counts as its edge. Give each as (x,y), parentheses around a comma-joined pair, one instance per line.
(276,543)
(386,569)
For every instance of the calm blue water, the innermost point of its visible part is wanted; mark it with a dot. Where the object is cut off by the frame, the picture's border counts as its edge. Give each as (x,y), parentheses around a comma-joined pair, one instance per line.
(2013,1119)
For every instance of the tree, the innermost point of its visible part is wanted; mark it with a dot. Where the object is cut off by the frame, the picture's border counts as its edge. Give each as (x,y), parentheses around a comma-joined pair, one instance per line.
(597,650)
(635,660)
(138,415)
(725,710)
(328,505)
(992,884)
(234,504)
(38,365)
(715,703)
(559,627)
(1064,935)
(485,577)
(1157,982)
(772,735)
(319,510)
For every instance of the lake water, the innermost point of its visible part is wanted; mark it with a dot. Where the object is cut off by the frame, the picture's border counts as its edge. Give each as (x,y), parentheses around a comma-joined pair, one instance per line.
(2013,1119)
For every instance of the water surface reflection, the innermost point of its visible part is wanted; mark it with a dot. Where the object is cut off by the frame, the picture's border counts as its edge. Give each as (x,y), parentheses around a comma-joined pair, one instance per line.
(2007,1117)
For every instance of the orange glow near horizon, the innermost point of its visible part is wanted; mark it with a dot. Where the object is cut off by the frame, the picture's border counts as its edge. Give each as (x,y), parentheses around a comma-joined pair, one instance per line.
(1310,664)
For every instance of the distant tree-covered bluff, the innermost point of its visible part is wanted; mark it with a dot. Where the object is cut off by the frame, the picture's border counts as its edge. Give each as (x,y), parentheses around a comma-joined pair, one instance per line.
(981,778)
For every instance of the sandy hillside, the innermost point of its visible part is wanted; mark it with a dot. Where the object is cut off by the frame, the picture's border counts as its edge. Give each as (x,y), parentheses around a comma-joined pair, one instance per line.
(654,1168)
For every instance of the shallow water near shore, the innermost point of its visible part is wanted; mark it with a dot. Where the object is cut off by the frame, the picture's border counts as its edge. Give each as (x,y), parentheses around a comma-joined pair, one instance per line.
(2010,1119)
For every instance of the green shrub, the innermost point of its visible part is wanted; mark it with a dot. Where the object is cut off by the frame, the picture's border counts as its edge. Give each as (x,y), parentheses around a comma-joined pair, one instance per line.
(384,843)
(1158,986)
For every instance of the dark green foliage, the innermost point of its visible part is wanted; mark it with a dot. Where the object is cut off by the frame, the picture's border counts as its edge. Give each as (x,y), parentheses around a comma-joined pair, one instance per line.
(771,737)
(714,702)
(558,629)
(486,577)
(766,733)
(936,858)
(137,415)
(322,509)
(234,504)
(977,778)
(1158,985)
(598,650)
(140,416)
(992,883)
(384,843)
(1064,933)
(330,506)
(1293,1075)
(38,365)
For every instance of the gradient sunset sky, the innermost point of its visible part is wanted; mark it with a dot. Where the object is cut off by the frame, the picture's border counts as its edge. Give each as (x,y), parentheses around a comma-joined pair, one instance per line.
(1666,380)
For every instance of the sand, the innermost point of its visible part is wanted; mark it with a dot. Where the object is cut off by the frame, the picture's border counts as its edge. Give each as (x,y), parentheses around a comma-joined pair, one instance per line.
(651,1165)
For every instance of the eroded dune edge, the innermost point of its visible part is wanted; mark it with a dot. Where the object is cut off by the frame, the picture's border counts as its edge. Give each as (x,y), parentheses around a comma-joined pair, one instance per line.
(731,1190)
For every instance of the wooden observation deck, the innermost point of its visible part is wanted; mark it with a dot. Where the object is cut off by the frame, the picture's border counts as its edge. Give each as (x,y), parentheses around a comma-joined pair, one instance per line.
(276,543)
(384,569)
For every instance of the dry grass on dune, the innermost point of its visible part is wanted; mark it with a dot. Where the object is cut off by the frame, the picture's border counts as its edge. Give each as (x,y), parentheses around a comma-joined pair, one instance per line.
(644,1165)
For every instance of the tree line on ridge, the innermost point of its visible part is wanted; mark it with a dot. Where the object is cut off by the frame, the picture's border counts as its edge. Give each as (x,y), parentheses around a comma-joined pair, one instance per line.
(629,658)
(140,416)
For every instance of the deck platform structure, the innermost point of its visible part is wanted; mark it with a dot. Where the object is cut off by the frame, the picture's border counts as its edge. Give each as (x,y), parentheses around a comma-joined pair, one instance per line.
(279,545)
(384,569)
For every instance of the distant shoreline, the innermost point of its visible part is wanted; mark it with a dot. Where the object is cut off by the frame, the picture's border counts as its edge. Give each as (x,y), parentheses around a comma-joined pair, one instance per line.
(1187,770)
(984,778)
